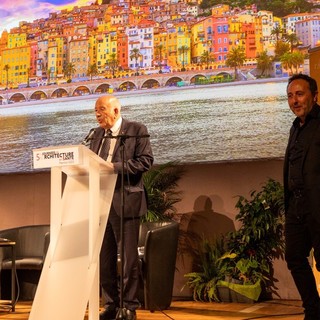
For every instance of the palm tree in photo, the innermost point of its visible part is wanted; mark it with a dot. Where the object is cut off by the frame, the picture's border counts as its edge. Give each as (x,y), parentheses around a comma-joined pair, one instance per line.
(159,50)
(135,54)
(277,32)
(235,59)
(287,62)
(280,49)
(206,58)
(112,63)
(292,39)
(297,59)
(49,73)
(183,50)
(6,68)
(69,70)
(28,77)
(264,62)
(92,70)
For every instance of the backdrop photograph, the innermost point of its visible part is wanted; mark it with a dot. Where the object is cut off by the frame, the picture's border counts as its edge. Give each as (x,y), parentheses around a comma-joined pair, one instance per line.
(203,95)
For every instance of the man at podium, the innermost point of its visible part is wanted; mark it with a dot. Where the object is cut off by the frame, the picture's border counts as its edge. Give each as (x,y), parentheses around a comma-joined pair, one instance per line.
(115,137)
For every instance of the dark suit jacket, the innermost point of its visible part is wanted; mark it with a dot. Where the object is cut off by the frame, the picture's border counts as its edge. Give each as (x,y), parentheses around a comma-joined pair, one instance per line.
(310,166)
(138,159)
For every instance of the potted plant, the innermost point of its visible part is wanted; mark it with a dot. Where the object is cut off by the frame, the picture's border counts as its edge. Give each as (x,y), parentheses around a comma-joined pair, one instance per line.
(243,278)
(260,236)
(246,262)
(211,268)
(160,183)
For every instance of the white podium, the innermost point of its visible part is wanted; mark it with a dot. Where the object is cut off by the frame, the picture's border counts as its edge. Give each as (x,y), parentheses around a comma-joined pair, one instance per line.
(82,188)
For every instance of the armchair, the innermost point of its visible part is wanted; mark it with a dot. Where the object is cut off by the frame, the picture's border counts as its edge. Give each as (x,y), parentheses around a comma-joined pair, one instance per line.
(31,247)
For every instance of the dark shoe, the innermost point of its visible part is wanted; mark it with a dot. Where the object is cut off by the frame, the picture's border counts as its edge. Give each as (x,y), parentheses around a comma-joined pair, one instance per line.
(131,314)
(109,313)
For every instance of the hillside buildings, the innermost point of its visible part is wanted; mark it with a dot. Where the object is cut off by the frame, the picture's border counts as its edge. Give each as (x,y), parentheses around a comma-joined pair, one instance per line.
(136,35)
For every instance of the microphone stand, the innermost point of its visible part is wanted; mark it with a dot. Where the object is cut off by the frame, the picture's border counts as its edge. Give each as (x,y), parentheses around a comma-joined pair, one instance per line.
(121,314)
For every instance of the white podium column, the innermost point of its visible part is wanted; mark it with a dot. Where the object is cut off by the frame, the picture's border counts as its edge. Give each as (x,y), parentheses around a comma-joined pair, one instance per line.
(79,214)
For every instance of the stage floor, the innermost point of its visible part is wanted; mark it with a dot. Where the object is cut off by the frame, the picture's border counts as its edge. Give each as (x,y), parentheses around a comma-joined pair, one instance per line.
(190,310)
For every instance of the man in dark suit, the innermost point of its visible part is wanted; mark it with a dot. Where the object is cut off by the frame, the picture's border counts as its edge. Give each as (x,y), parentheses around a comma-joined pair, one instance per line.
(302,190)
(138,159)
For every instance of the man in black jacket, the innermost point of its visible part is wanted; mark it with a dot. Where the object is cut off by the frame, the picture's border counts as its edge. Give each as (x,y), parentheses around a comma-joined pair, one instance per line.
(302,190)
(138,159)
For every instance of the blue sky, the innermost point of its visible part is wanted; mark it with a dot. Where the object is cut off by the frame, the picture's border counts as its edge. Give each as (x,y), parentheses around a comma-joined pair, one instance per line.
(14,11)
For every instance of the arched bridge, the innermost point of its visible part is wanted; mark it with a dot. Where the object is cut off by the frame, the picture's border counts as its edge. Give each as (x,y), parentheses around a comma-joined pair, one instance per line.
(118,84)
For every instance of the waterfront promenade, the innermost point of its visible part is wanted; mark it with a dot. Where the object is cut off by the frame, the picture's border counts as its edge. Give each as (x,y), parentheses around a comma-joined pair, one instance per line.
(107,85)
(72,87)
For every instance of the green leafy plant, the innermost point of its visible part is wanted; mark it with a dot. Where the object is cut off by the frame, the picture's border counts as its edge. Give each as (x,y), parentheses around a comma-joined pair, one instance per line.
(245,270)
(211,266)
(260,236)
(249,251)
(161,185)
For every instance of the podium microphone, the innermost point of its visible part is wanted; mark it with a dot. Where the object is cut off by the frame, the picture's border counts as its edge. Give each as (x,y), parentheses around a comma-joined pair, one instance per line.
(86,141)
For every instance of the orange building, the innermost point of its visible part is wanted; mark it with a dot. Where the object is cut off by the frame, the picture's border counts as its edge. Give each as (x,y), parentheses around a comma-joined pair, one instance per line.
(122,50)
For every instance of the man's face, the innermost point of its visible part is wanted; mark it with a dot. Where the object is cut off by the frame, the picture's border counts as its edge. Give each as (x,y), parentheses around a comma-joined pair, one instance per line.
(300,98)
(106,112)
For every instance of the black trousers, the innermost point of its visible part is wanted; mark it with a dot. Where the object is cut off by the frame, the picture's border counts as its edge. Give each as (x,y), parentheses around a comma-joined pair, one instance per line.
(302,233)
(109,262)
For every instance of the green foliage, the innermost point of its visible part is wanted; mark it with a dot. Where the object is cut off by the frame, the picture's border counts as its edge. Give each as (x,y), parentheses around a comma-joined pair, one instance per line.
(280,8)
(281,48)
(247,253)
(236,58)
(92,70)
(211,268)
(161,183)
(247,270)
(264,62)
(69,70)
(292,60)
(262,218)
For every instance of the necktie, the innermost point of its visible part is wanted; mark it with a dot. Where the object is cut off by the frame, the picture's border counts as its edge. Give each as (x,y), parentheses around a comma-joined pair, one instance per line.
(104,151)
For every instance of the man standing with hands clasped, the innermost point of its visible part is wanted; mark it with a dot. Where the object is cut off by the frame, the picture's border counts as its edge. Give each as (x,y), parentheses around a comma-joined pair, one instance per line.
(138,159)
(302,190)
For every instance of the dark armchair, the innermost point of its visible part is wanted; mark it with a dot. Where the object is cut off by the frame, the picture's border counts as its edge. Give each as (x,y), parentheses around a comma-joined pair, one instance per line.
(31,247)
(158,242)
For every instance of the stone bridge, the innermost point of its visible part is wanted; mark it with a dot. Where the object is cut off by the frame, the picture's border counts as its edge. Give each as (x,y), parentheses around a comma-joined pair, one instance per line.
(117,84)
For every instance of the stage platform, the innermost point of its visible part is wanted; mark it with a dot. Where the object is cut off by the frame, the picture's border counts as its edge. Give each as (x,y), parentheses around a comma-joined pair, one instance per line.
(191,310)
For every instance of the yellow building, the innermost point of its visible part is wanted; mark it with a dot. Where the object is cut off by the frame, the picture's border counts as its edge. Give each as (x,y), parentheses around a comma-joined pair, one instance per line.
(101,48)
(269,23)
(160,44)
(235,32)
(14,66)
(16,40)
(179,46)
(220,9)
(3,40)
(199,41)
(92,42)
(57,56)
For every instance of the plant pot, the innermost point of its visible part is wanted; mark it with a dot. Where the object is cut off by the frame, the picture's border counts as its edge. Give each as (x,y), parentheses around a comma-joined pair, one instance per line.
(239,298)
(224,294)
(242,293)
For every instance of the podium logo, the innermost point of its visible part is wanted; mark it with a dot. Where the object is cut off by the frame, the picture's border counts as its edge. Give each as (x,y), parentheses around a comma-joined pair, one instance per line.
(56,157)
(62,156)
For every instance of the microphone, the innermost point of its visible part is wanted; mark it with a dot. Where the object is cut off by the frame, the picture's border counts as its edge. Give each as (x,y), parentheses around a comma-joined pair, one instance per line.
(86,141)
